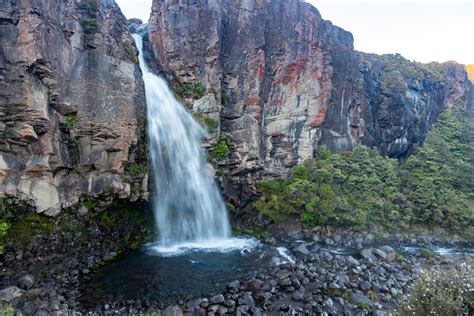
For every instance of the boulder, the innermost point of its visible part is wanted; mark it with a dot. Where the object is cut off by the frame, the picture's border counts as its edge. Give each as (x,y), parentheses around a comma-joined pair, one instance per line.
(301,250)
(366,253)
(26,282)
(173,311)
(379,253)
(217,299)
(10,293)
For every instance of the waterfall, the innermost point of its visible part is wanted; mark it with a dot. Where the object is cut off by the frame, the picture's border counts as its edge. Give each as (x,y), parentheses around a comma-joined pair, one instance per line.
(187,205)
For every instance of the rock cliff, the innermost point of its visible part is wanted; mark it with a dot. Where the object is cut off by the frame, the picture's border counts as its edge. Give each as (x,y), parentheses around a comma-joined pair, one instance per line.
(274,81)
(271,80)
(71,104)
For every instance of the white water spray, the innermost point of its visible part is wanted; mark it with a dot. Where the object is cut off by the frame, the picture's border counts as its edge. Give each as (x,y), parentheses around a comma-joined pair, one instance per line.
(189,210)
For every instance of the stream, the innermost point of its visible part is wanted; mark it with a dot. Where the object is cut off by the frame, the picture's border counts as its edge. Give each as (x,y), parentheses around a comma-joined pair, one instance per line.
(147,274)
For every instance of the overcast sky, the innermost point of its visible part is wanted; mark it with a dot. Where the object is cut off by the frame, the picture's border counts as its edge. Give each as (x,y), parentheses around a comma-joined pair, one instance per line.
(422,30)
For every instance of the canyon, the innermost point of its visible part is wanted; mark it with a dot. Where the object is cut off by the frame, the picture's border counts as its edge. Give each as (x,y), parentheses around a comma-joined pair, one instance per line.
(272,84)
(271,80)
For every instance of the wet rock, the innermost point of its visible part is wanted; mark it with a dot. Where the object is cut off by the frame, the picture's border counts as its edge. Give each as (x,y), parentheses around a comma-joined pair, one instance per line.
(366,253)
(254,285)
(26,282)
(10,293)
(248,300)
(360,298)
(379,253)
(351,261)
(328,302)
(285,282)
(301,250)
(217,299)
(42,312)
(297,296)
(234,286)
(270,240)
(173,311)
(329,241)
(391,254)
(229,303)
(365,286)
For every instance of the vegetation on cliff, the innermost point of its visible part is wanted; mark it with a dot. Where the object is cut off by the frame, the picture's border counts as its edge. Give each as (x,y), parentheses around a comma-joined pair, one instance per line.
(432,188)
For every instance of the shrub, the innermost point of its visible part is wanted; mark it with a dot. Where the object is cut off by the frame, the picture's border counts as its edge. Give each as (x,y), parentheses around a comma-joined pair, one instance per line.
(69,121)
(89,26)
(442,293)
(4,227)
(136,169)
(220,150)
(208,122)
(91,6)
(433,188)
(132,56)
(193,89)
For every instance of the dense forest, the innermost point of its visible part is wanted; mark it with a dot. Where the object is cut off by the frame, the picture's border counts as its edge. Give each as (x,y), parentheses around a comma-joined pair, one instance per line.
(432,188)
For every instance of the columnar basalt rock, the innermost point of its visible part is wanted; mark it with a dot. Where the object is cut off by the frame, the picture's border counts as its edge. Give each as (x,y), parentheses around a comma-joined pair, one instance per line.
(71,102)
(282,81)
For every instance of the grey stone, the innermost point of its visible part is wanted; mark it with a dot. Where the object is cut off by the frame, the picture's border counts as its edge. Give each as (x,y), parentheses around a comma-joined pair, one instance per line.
(9,293)
(217,299)
(366,253)
(301,249)
(234,286)
(360,298)
(365,286)
(26,282)
(379,253)
(298,296)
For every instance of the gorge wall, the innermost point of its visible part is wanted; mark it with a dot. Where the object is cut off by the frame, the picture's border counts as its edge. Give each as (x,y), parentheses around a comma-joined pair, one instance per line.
(271,80)
(279,81)
(71,103)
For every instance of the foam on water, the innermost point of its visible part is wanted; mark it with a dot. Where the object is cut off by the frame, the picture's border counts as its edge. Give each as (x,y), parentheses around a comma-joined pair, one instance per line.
(209,245)
(283,252)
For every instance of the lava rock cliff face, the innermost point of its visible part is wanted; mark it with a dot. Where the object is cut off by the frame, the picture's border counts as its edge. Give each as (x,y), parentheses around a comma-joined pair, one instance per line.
(280,81)
(71,103)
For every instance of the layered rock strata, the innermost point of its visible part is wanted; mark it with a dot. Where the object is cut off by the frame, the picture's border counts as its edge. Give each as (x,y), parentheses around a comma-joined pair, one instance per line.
(279,81)
(71,103)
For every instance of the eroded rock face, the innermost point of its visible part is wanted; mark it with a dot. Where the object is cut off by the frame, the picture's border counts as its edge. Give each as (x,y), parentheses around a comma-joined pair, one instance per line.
(71,102)
(280,81)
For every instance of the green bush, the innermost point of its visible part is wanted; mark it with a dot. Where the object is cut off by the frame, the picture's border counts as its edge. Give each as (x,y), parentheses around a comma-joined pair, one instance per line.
(89,26)
(136,169)
(433,188)
(220,150)
(193,89)
(91,6)
(209,123)
(4,227)
(69,121)
(441,293)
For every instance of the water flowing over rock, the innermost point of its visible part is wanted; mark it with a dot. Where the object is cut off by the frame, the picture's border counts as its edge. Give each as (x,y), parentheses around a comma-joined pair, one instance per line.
(281,81)
(188,206)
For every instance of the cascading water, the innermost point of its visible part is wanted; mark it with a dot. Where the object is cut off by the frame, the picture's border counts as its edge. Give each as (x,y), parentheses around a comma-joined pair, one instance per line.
(189,210)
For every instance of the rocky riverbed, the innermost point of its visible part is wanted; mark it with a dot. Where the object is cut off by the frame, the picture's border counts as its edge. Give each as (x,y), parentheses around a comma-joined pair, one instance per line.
(329,274)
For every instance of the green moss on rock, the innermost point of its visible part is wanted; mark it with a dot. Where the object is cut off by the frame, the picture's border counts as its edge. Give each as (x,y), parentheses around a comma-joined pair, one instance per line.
(89,26)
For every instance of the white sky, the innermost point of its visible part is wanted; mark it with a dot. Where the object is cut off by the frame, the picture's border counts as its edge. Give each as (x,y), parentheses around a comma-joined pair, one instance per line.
(422,30)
